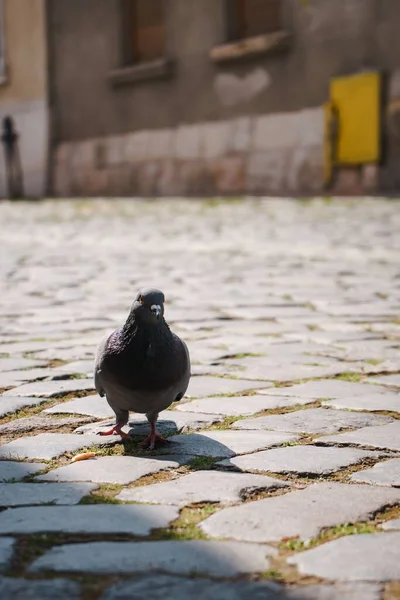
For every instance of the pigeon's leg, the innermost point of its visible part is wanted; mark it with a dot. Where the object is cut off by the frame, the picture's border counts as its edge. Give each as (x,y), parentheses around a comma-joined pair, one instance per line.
(122,419)
(117,429)
(154,437)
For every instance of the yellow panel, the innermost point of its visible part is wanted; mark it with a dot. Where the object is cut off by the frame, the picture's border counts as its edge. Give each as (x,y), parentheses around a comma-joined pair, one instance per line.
(357,100)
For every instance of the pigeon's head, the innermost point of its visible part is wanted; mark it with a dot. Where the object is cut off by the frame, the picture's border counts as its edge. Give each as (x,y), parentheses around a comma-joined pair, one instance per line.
(148,307)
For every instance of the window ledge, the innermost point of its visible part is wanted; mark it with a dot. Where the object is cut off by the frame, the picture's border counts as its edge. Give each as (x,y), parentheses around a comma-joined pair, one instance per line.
(155,69)
(269,43)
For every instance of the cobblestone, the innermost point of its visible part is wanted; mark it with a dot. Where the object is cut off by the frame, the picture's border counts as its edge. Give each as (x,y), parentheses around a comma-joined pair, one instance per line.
(300,513)
(368,557)
(219,559)
(203,486)
(99,518)
(282,304)
(312,420)
(303,460)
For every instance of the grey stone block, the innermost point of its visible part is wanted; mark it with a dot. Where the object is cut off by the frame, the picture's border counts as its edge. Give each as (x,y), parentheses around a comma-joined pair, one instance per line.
(301,459)
(216,559)
(113,469)
(50,445)
(17,364)
(200,386)
(385,473)
(96,518)
(93,406)
(40,422)
(47,389)
(325,388)
(394,524)
(381,436)
(367,557)
(168,587)
(390,380)
(340,591)
(10,469)
(6,552)
(27,589)
(10,404)
(312,420)
(239,405)
(301,513)
(25,494)
(225,443)
(372,402)
(202,486)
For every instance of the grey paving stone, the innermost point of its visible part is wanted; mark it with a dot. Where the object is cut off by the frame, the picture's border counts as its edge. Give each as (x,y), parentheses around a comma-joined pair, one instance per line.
(385,473)
(313,420)
(202,486)
(40,422)
(133,519)
(200,386)
(78,366)
(11,404)
(47,389)
(299,459)
(88,405)
(239,405)
(381,436)
(218,559)
(225,443)
(51,445)
(25,589)
(367,557)
(300,513)
(369,402)
(394,524)
(17,364)
(112,469)
(30,375)
(391,380)
(169,587)
(324,388)
(14,470)
(25,494)
(6,552)
(340,591)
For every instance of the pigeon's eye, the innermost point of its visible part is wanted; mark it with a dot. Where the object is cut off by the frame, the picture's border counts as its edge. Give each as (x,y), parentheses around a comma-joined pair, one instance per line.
(140,299)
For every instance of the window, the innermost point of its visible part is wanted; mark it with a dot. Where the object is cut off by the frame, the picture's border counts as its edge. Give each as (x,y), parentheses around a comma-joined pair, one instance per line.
(250,18)
(143,30)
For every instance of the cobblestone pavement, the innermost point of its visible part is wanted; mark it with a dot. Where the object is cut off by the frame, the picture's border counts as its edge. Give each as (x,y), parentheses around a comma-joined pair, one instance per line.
(282,478)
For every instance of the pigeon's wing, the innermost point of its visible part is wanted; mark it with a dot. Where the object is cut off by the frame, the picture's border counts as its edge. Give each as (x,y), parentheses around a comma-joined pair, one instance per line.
(101,350)
(184,381)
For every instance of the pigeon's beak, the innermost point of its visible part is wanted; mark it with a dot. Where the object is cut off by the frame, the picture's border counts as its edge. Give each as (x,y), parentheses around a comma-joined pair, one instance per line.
(156,310)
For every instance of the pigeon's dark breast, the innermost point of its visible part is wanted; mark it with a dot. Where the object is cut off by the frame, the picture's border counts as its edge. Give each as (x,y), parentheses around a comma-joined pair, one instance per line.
(149,364)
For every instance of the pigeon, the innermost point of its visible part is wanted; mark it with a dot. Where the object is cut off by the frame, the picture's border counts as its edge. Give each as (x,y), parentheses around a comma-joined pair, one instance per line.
(142,367)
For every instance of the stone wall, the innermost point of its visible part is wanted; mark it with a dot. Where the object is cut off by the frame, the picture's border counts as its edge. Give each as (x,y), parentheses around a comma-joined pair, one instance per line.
(276,154)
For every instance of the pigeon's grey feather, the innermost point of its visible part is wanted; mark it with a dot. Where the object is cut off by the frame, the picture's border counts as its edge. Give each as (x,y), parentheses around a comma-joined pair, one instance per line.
(142,367)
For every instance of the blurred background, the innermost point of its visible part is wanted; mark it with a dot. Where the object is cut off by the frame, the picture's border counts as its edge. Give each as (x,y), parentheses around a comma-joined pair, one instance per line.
(199,97)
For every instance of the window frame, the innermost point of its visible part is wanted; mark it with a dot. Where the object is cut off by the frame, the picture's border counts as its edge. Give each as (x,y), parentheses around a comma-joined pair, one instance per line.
(235,19)
(129,51)
(254,46)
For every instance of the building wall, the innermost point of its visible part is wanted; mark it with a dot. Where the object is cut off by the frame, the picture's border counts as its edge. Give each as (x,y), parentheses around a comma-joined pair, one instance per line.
(23,93)
(180,134)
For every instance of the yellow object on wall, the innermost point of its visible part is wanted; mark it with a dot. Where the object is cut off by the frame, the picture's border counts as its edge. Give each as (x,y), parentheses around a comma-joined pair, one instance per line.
(356,100)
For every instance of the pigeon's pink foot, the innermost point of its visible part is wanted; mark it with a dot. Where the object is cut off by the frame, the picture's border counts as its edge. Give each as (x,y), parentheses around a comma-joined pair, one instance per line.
(151,440)
(116,430)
